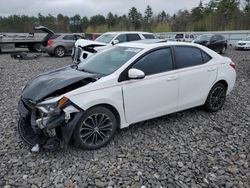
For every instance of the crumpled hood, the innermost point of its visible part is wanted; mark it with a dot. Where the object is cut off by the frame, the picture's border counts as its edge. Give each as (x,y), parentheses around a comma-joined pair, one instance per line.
(46,83)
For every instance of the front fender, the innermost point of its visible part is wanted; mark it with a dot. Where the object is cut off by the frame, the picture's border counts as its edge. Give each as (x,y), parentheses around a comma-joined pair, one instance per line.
(111,96)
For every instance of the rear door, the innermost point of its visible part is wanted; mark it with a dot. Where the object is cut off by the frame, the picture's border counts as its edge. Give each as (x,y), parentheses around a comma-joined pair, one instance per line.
(197,73)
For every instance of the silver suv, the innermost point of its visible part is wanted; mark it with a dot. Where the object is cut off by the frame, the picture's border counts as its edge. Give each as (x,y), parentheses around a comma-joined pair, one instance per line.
(60,45)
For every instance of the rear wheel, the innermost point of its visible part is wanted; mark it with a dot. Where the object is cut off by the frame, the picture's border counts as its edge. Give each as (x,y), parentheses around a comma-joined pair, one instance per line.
(216,98)
(95,129)
(37,47)
(60,51)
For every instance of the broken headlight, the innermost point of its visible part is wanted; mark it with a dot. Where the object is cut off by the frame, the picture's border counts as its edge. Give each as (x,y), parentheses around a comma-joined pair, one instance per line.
(53,107)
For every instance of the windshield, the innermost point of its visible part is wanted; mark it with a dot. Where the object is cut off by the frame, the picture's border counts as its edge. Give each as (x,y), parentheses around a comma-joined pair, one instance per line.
(204,37)
(108,61)
(105,38)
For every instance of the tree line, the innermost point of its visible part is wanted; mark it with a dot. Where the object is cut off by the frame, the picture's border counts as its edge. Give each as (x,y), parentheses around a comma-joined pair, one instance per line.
(213,16)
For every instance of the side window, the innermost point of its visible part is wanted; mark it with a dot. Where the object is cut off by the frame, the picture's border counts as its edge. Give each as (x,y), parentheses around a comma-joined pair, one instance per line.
(148,36)
(121,38)
(69,37)
(205,57)
(213,38)
(191,36)
(187,56)
(133,37)
(186,36)
(155,62)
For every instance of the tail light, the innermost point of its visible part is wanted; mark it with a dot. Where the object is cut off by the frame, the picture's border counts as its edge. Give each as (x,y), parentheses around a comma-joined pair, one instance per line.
(50,42)
(232,64)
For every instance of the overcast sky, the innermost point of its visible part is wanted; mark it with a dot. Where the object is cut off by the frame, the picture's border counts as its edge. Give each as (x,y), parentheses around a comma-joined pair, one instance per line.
(90,7)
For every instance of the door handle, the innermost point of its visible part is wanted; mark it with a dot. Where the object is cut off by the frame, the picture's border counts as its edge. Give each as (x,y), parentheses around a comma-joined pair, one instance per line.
(172,78)
(211,69)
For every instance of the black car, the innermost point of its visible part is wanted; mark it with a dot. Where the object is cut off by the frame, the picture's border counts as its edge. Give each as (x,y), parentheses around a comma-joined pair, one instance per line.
(217,43)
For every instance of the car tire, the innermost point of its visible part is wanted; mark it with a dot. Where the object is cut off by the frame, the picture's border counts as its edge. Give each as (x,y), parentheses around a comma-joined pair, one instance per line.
(95,129)
(223,50)
(36,47)
(216,98)
(59,51)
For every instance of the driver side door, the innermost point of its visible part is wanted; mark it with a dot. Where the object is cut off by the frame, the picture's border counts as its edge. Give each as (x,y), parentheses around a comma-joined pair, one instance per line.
(157,93)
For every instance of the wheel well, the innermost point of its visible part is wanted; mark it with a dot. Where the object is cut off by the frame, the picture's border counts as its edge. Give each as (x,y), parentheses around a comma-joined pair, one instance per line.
(59,46)
(114,111)
(223,82)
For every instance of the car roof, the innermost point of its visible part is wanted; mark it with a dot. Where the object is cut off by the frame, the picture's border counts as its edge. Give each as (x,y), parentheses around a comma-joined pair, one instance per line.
(149,45)
(127,32)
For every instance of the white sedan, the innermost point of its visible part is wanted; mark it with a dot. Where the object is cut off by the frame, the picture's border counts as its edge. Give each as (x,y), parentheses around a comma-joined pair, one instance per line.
(243,44)
(125,84)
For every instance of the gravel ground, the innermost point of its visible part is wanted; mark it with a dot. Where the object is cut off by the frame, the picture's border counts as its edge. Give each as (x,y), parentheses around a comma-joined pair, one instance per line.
(191,148)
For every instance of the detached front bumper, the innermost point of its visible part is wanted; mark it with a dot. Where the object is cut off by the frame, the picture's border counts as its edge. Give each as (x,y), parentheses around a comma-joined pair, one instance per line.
(49,130)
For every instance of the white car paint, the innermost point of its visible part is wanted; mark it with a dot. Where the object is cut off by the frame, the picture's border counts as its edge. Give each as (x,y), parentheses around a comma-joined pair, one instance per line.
(98,46)
(155,95)
(243,44)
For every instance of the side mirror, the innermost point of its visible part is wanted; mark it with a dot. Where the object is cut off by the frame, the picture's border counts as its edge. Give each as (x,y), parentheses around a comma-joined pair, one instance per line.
(135,74)
(114,42)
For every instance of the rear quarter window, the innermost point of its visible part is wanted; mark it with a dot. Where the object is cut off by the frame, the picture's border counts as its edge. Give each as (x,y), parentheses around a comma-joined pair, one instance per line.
(69,37)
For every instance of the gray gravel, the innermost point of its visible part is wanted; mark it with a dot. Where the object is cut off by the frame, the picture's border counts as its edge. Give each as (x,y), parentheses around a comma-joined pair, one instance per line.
(192,148)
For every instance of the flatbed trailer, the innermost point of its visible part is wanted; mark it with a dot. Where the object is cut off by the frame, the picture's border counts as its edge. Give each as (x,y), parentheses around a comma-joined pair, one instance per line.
(32,41)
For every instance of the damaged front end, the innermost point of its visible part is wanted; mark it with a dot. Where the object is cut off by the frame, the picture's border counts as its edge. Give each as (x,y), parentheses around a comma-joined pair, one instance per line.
(47,119)
(48,125)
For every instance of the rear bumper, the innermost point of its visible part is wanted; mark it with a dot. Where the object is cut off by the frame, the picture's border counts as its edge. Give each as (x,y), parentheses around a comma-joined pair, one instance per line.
(48,49)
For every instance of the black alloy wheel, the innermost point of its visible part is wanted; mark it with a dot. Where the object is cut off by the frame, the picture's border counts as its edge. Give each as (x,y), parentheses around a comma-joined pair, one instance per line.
(216,98)
(96,128)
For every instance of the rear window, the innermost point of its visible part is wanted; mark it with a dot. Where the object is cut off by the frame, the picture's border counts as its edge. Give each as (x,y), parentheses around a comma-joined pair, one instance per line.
(148,36)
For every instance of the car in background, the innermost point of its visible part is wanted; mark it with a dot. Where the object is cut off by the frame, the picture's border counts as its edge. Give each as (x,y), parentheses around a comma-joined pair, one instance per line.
(60,45)
(243,44)
(215,42)
(184,37)
(120,86)
(109,39)
(92,36)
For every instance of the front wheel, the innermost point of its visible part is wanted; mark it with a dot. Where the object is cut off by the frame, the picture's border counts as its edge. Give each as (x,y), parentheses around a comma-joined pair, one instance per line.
(223,50)
(95,129)
(216,98)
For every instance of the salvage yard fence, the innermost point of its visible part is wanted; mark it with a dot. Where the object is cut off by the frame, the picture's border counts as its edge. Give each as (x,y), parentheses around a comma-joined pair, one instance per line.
(231,36)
